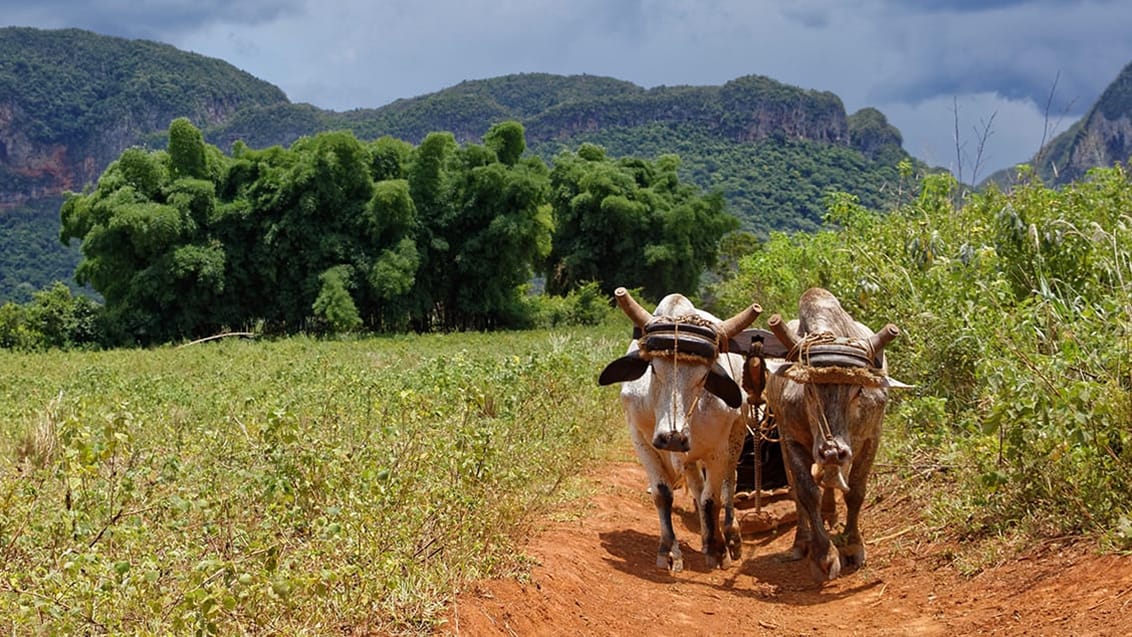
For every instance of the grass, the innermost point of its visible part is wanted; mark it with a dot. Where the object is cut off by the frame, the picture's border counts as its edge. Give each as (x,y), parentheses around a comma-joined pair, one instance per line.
(289,487)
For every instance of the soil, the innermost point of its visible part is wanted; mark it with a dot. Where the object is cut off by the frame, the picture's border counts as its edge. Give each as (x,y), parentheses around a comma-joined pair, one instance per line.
(594,574)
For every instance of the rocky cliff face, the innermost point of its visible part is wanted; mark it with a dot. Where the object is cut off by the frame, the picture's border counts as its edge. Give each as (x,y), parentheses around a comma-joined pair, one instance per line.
(1100,142)
(71,101)
(30,170)
(1102,138)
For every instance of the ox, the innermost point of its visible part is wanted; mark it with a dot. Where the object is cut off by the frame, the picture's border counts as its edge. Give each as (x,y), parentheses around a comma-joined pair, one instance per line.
(828,398)
(684,417)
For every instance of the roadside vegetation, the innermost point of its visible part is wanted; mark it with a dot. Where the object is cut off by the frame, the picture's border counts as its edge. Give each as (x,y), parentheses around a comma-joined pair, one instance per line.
(1016,311)
(290,487)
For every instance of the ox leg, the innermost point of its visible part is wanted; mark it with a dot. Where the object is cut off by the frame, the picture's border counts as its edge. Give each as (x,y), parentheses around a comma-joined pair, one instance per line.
(853,549)
(668,556)
(732,536)
(662,476)
(824,560)
(802,526)
(731,532)
(705,493)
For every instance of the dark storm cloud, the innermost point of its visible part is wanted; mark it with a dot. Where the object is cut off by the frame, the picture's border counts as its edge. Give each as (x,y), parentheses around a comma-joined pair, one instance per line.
(153,19)
(1018,49)
(918,61)
(961,6)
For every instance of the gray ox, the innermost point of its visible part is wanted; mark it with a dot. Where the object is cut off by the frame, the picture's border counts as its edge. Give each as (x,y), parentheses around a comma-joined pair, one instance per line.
(684,416)
(828,399)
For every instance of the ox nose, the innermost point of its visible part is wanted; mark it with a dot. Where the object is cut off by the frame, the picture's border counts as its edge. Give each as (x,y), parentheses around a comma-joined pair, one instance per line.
(834,452)
(671,441)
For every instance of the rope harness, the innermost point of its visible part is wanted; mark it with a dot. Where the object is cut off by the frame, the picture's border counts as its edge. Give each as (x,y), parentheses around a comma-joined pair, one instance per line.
(823,359)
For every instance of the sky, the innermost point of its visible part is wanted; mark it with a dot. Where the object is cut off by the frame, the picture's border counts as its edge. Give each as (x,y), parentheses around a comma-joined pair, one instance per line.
(973,85)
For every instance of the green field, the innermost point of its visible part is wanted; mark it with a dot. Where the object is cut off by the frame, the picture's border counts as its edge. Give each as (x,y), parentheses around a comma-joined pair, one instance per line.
(288,487)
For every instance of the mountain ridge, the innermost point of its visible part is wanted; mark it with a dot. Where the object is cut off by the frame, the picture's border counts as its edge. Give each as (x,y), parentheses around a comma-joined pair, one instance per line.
(71,101)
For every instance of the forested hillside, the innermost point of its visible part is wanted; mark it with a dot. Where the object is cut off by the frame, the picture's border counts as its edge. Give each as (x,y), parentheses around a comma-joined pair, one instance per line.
(72,101)
(30,250)
(773,150)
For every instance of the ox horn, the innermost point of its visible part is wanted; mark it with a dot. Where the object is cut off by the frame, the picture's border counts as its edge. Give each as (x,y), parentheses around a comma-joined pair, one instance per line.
(631,308)
(782,332)
(740,321)
(883,337)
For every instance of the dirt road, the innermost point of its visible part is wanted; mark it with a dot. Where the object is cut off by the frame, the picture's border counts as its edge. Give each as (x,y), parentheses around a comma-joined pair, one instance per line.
(595,575)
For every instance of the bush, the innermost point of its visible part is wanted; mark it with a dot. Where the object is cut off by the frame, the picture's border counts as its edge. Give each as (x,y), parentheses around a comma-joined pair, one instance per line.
(1015,309)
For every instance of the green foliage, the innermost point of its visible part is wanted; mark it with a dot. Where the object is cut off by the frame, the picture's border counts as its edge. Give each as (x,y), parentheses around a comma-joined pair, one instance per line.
(770,184)
(288,487)
(1015,316)
(31,257)
(584,305)
(189,242)
(507,141)
(630,222)
(186,150)
(334,304)
(54,318)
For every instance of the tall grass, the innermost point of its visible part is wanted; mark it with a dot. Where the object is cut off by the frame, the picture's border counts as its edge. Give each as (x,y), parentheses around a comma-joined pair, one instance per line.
(1016,311)
(291,487)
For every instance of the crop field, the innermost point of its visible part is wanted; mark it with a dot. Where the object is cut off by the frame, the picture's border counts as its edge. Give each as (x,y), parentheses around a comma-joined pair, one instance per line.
(286,487)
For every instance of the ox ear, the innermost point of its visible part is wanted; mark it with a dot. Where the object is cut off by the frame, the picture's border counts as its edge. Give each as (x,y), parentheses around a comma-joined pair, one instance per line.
(722,385)
(628,367)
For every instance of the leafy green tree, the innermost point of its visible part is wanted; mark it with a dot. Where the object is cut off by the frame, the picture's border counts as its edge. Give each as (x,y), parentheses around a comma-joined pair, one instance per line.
(145,244)
(507,140)
(432,177)
(186,150)
(390,227)
(630,222)
(390,158)
(334,303)
(503,230)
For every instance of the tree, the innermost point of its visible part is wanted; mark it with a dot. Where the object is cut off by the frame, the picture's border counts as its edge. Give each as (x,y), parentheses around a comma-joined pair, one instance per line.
(630,222)
(503,230)
(186,150)
(334,304)
(145,240)
(507,140)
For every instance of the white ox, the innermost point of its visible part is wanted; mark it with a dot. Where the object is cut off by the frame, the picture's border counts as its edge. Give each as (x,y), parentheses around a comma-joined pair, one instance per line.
(684,416)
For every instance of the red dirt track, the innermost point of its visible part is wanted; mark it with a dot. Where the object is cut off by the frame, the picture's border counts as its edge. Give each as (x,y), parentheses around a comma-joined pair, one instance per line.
(595,575)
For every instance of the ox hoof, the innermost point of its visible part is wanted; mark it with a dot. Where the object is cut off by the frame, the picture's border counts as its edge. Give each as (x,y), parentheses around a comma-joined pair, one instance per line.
(714,561)
(827,568)
(735,547)
(797,552)
(853,555)
(670,563)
